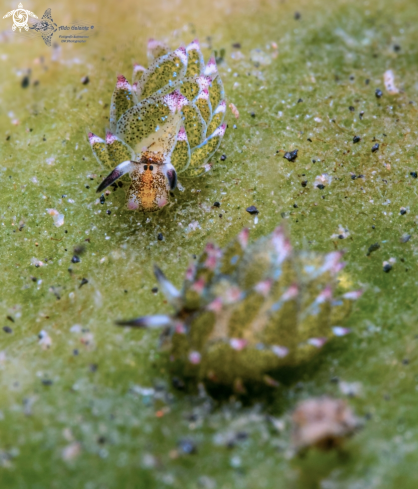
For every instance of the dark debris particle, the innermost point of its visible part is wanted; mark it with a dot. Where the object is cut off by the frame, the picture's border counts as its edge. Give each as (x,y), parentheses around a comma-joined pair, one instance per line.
(367,81)
(8,137)
(85,80)
(10,319)
(93,367)
(295,206)
(252,210)
(108,212)
(320,186)
(87,186)
(396,48)
(102,199)
(75,259)
(241,435)
(405,361)
(387,267)
(252,114)
(101,440)
(160,236)
(405,238)
(236,438)
(47,382)
(84,281)
(178,384)
(356,139)
(373,247)
(291,155)
(154,290)
(25,82)
(375,148)
(223,157)
(187,446)
(297,15)
(75,352)
(300,100)
(361,114)
(79,249)
(304,183)
(402,212)
(236,45)
(7,329)
(378,93)
(414,174)
(216,204)
(351,108)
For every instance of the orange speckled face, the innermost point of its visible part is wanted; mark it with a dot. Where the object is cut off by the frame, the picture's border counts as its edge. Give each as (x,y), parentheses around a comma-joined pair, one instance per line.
(149,190)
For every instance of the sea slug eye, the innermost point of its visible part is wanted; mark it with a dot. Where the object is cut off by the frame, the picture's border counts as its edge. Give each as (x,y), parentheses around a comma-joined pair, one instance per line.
(145,167)
(151,167)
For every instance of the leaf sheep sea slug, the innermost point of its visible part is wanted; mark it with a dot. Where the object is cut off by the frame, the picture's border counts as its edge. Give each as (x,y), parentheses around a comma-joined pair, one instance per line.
(168,122)
(247,309)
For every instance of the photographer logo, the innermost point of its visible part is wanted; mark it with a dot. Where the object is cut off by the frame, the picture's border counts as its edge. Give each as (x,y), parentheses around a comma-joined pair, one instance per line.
(20,18)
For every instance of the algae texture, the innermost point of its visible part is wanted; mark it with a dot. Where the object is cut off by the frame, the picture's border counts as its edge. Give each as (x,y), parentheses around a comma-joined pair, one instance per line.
(89,405)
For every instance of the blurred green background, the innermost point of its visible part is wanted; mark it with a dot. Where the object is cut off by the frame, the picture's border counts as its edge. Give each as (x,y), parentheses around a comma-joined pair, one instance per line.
(96,409)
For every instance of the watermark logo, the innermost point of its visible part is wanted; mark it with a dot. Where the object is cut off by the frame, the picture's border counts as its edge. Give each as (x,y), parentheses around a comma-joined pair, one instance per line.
(20,18)
(46,27)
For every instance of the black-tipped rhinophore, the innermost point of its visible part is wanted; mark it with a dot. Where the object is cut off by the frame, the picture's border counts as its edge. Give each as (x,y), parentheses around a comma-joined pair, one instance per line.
(170,292)
(159,274)
(172,178)
(109,180)
(120,170)
(157,321)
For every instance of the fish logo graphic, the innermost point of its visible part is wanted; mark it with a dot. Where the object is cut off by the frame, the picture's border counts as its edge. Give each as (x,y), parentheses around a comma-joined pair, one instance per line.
(20,18)
(46,26)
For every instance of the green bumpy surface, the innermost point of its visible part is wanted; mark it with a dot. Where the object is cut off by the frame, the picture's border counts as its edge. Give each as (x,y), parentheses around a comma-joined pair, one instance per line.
(100,398)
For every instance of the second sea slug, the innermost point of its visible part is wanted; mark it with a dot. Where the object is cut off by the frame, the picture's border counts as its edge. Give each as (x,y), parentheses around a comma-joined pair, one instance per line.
(248,309)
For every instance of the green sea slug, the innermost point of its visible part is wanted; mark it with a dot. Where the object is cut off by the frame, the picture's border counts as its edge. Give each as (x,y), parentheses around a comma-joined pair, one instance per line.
(168,122)
(246,310)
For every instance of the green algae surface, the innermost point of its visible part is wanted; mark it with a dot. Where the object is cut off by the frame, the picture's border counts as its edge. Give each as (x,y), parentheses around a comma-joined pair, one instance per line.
(84,404)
